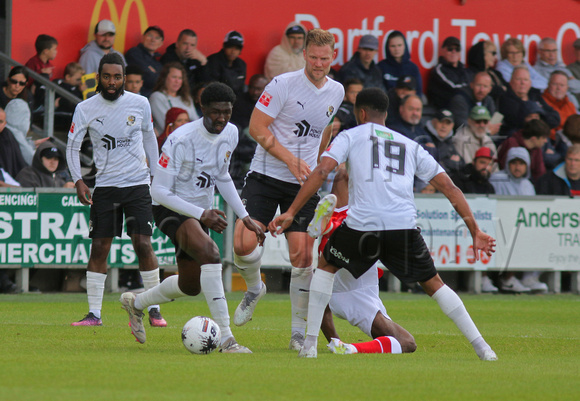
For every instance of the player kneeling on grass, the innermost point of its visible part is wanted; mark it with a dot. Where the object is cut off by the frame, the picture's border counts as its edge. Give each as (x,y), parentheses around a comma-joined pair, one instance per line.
(195,159)
(381,222)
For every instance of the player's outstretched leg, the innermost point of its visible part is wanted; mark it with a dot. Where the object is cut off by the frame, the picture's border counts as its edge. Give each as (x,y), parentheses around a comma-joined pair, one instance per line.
(135,316)
(380,345)
(322,214)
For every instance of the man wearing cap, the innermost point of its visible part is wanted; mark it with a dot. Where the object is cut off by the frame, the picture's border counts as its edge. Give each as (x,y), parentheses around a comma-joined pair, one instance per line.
(475,134)
(47,163)
(548,62)
(447,76)
(186,52)
(93,51)
(145,56)
(362,65)
(473,178)
(287,56)
(226,66)
(405,86)
(476,94)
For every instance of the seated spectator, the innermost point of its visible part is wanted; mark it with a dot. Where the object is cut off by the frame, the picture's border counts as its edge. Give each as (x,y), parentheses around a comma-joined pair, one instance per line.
(18,122)
(440,134)
(226,66)
(409,123)
(174,119)
(185,51)
(572,129)
(512,54)
(171,90)
(473,178)
(145,56)
(362,66)
(513,105)
(482,57)
(476,94)
(474,135)
(448,76)
(574,67)
(15,86)
(406,85)
(94,51)
(565,178)
(11,158)
(46,49)
(548,62)
(345,114)
(244,105)
(532,137)
(287,56)
(556,97)
(397,63)
(73,83)
(43,172)
(133,79)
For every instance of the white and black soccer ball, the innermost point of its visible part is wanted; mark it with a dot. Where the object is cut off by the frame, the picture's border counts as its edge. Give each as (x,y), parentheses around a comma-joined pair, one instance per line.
(201,335)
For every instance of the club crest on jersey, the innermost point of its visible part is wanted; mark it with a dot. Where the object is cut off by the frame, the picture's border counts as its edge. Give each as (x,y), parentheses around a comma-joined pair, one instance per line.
(228,154)
(265,99)
(72,128)
(385,135)
(131,121)
(330,111)
(164,160)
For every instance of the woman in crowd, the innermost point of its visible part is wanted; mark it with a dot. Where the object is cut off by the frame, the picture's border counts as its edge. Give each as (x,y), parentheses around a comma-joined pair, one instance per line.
(482,56)
(15,86)
(174,119)
(512,54)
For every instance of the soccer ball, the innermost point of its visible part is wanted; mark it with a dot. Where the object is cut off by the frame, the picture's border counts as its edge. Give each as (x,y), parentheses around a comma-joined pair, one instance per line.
(201,335)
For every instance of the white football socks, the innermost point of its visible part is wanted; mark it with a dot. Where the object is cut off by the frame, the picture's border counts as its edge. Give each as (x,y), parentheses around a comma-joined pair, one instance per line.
(300,280)
(249,268)
(150,279)
(213,289)
(165,292)
(95,291)
(320,293)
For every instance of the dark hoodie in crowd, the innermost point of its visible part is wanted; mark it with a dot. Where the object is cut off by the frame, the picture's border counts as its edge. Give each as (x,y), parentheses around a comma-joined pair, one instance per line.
(393,70)
(36,175)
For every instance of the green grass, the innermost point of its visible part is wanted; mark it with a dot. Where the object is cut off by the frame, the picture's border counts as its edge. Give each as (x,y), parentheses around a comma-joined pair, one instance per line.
(43,358)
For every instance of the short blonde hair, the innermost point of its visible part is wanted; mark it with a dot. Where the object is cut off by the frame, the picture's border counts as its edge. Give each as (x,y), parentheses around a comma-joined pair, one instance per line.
(512,42)
(488,45)
(319,37)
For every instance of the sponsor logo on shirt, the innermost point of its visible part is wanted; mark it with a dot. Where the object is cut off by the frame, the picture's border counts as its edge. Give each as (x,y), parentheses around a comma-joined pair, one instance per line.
(330,111)
(337,254)
(131,121)
(205,180)
(305,129)
(265,99)
(72,128)
(386,135)
(164,160)
(110,142)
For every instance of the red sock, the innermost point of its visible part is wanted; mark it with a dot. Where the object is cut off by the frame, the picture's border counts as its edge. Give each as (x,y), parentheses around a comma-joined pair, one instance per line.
(380,345)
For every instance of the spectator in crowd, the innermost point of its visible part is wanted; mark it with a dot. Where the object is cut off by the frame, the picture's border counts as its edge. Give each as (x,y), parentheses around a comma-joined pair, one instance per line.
(476,94)
(482,56)
(185,51)
(410,112)
(345,114)
(574,67)
(226,65)
(43,172)
(171,90)
(473,178)
(134,79)
(440,134)
(11,158)
(46,49)
(532,137)
(18,121)
(565,178)
(397,63)
(556,97)
(512,54)
(15,86)
(93,51)
(174,119)
(514,180)
(572,129)
(287,56)
(362,66)
(513,105)
(406,85)
(73,83)
(474,135)
(145,56)
(548,62)
(448,76)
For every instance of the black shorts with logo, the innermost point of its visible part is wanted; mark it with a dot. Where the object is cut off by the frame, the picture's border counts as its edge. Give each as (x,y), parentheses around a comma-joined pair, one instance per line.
(262,195)
(169,222)
(403,252)
(109,206)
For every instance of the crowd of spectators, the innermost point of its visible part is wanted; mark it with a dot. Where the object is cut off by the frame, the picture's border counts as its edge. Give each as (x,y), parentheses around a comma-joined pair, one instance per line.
(497,124)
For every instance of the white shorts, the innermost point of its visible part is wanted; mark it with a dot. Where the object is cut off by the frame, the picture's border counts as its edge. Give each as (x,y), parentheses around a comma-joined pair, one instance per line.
(358,307)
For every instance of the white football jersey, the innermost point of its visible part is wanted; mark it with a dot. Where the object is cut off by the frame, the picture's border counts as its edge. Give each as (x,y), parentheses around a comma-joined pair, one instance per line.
(197,159)
(301,112)
(344,280)
(116,129)
(381,164)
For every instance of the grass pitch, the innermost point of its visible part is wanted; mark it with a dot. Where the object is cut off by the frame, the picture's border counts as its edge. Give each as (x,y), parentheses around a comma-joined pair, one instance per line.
(43,358)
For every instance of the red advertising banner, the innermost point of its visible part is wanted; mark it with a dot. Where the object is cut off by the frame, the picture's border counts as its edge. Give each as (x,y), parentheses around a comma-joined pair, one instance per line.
(425,24)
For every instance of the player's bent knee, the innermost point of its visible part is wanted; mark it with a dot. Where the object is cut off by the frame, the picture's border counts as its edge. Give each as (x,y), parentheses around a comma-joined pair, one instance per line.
(191,289)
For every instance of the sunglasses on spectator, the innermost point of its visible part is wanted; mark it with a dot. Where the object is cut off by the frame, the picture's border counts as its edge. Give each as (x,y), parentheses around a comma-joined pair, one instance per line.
(452,48)
(493,53)
(15,82)
(481,121)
